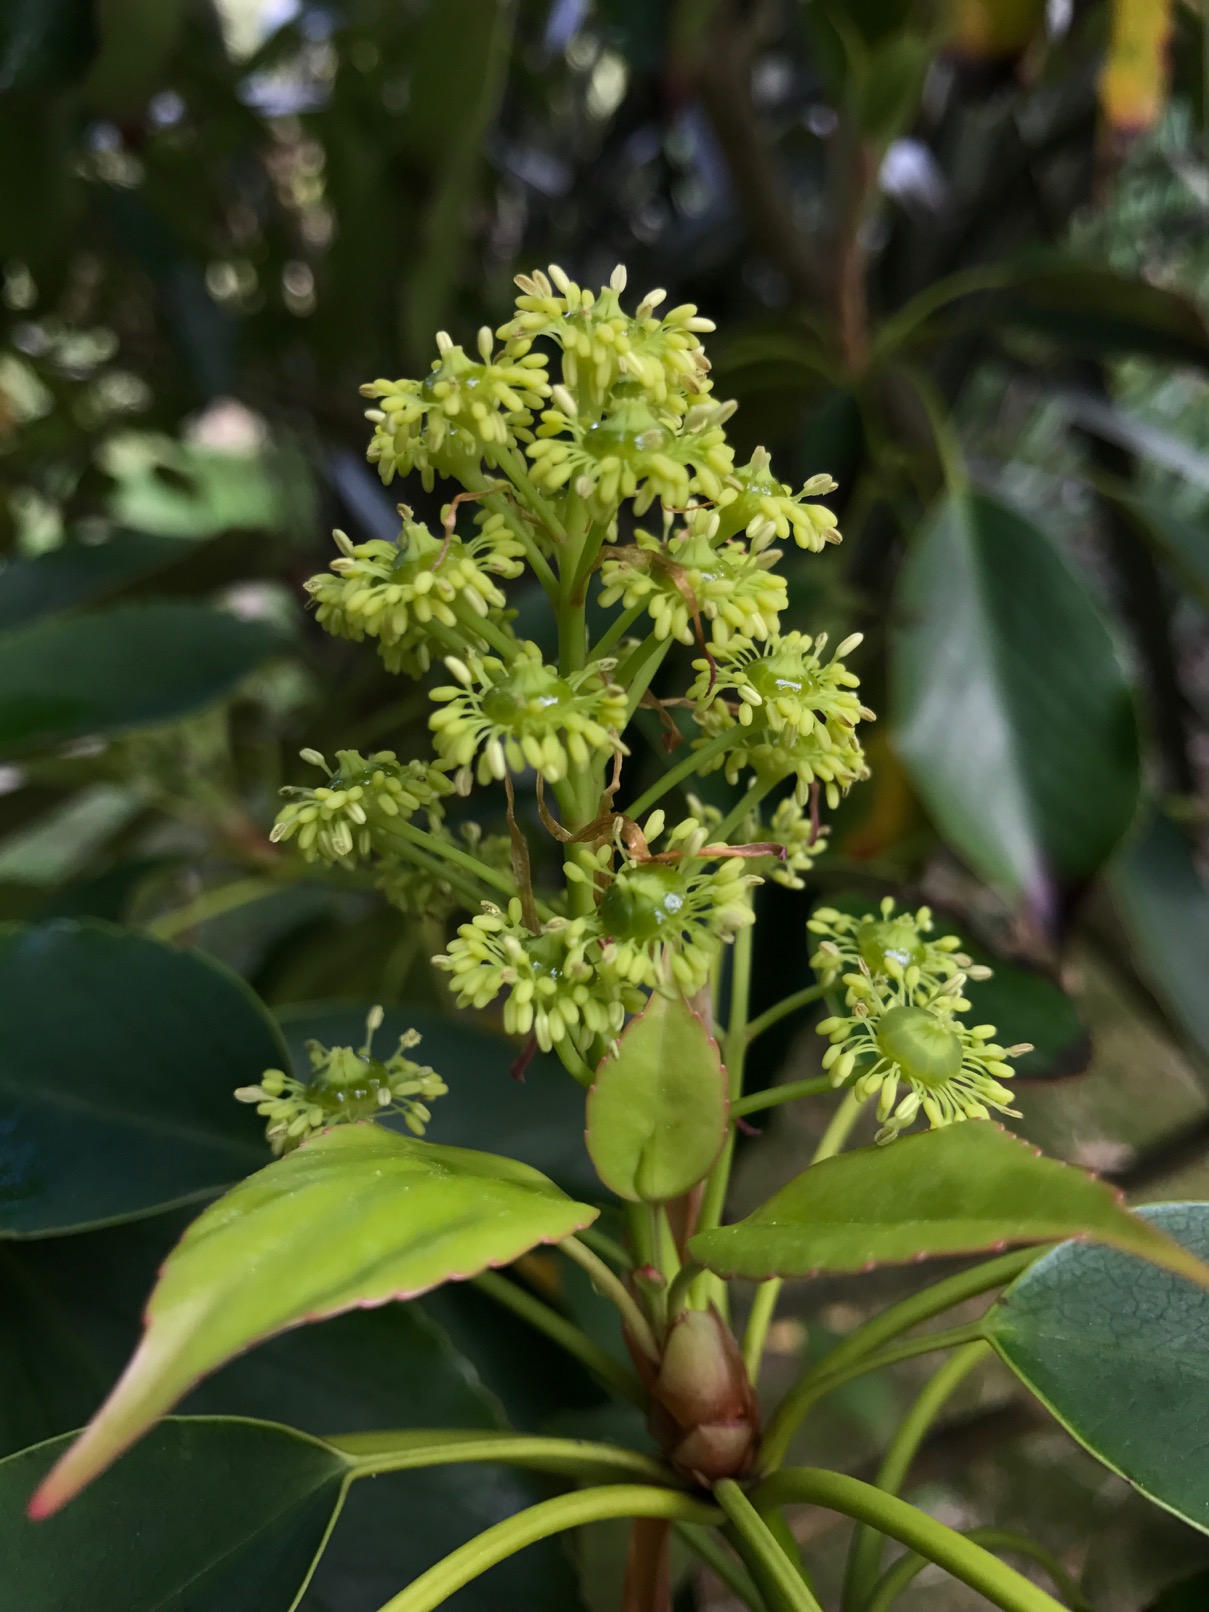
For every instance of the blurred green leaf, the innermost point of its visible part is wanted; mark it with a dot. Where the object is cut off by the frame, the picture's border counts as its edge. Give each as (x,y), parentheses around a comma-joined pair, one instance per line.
(357,1216)
(132,666)
(118,1057)
(1009,707)
(1092,309)
(658,1110)
(1183,543)
(1163,904)
(1117,1349)
(267,1495)
(539,1120)
(80,574)
(953,1191)
(45,43)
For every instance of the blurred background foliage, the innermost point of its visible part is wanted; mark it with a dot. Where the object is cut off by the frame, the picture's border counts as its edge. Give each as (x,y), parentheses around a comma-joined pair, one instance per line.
(958,257)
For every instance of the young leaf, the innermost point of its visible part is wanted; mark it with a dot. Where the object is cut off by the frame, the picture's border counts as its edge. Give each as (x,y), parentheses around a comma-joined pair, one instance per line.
(952,1191)
(1118,1350)
(658,1112)
(213,1513)
(118,1058)
(1009,707)
(357,1216)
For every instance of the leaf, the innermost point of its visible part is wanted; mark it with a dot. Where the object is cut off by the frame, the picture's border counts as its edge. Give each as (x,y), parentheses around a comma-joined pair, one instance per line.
(1009,708)
(268,1497)
(1163,905)
(953,1191)
(539,1120)
(1092,309)
(80,573)
(1182,542)
(130,667)
(69,1309)
(118,1060)
(658,1111)
(1118,1350)
(44,43)
(357,1216)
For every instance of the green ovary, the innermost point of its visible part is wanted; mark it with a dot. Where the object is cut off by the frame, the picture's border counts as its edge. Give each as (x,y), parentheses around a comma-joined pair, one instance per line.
(528,693)
(897,940)
(643,903)
(923,1047)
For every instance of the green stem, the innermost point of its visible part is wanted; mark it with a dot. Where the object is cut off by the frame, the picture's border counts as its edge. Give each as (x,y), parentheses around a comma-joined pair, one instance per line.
(471,893)
(581,1459)
(611,1287)
(768,1562)
(782,1010)
(572,1061)
(899,1318)
(616,630)
(635,674)
(563,1332)
(543,1521)
(948,1549)
(504,644)
(683,769)
(865,1550)
(500,504)
(211,904)
(764,1305)
(815,1384)
(776,1095)
(447,852)
(512,463)
(896,1578)
(706,1544)
(607,1247)
(735,816)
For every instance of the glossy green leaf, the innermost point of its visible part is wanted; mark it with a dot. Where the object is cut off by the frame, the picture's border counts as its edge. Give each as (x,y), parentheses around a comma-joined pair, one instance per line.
(1163,904)
(45,43)
(1118,1350)
(539,1120)
(129,667)
(69,1317)
(658,1111)
(357,1216)
(81,573)
(953,1191)
(208,1515)
(118,1058)
(1008,705)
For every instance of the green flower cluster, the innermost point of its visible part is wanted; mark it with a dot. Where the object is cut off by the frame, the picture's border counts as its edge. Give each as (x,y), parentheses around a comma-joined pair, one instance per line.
(416,591)
(788,827)
(754,501)
(901,1036)
(363,797)
(791,713)
(346,1084)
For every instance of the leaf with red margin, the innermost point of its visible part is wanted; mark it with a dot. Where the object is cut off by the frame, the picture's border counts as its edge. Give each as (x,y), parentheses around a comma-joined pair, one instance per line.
(657,1114)
(955,1191)
(356,1217)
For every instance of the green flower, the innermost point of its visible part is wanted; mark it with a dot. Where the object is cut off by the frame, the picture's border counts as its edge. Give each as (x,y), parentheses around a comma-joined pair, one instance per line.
(793,714)
(754,501)
(396,592)
(462,413)
(790,826)
(893,946)
(346,1084)
(634,450)
(524,715)
(602,344)
(897,1036)
(555,988)
(338,821)
(668,919)
(726,583)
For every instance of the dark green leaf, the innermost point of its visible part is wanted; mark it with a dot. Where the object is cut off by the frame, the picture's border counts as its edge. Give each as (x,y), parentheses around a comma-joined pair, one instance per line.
(658,1111)
(1184,543)
(539,1120)
(1098,311)
(1119,1351)
(132,666)
(118,1058)
(45,43)
(207,1515)
(79,574)
(357,1216)
(952,1191)
(1009,707)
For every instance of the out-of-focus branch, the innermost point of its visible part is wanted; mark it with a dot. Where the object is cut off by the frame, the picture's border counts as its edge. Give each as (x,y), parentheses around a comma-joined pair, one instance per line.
(722,77)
